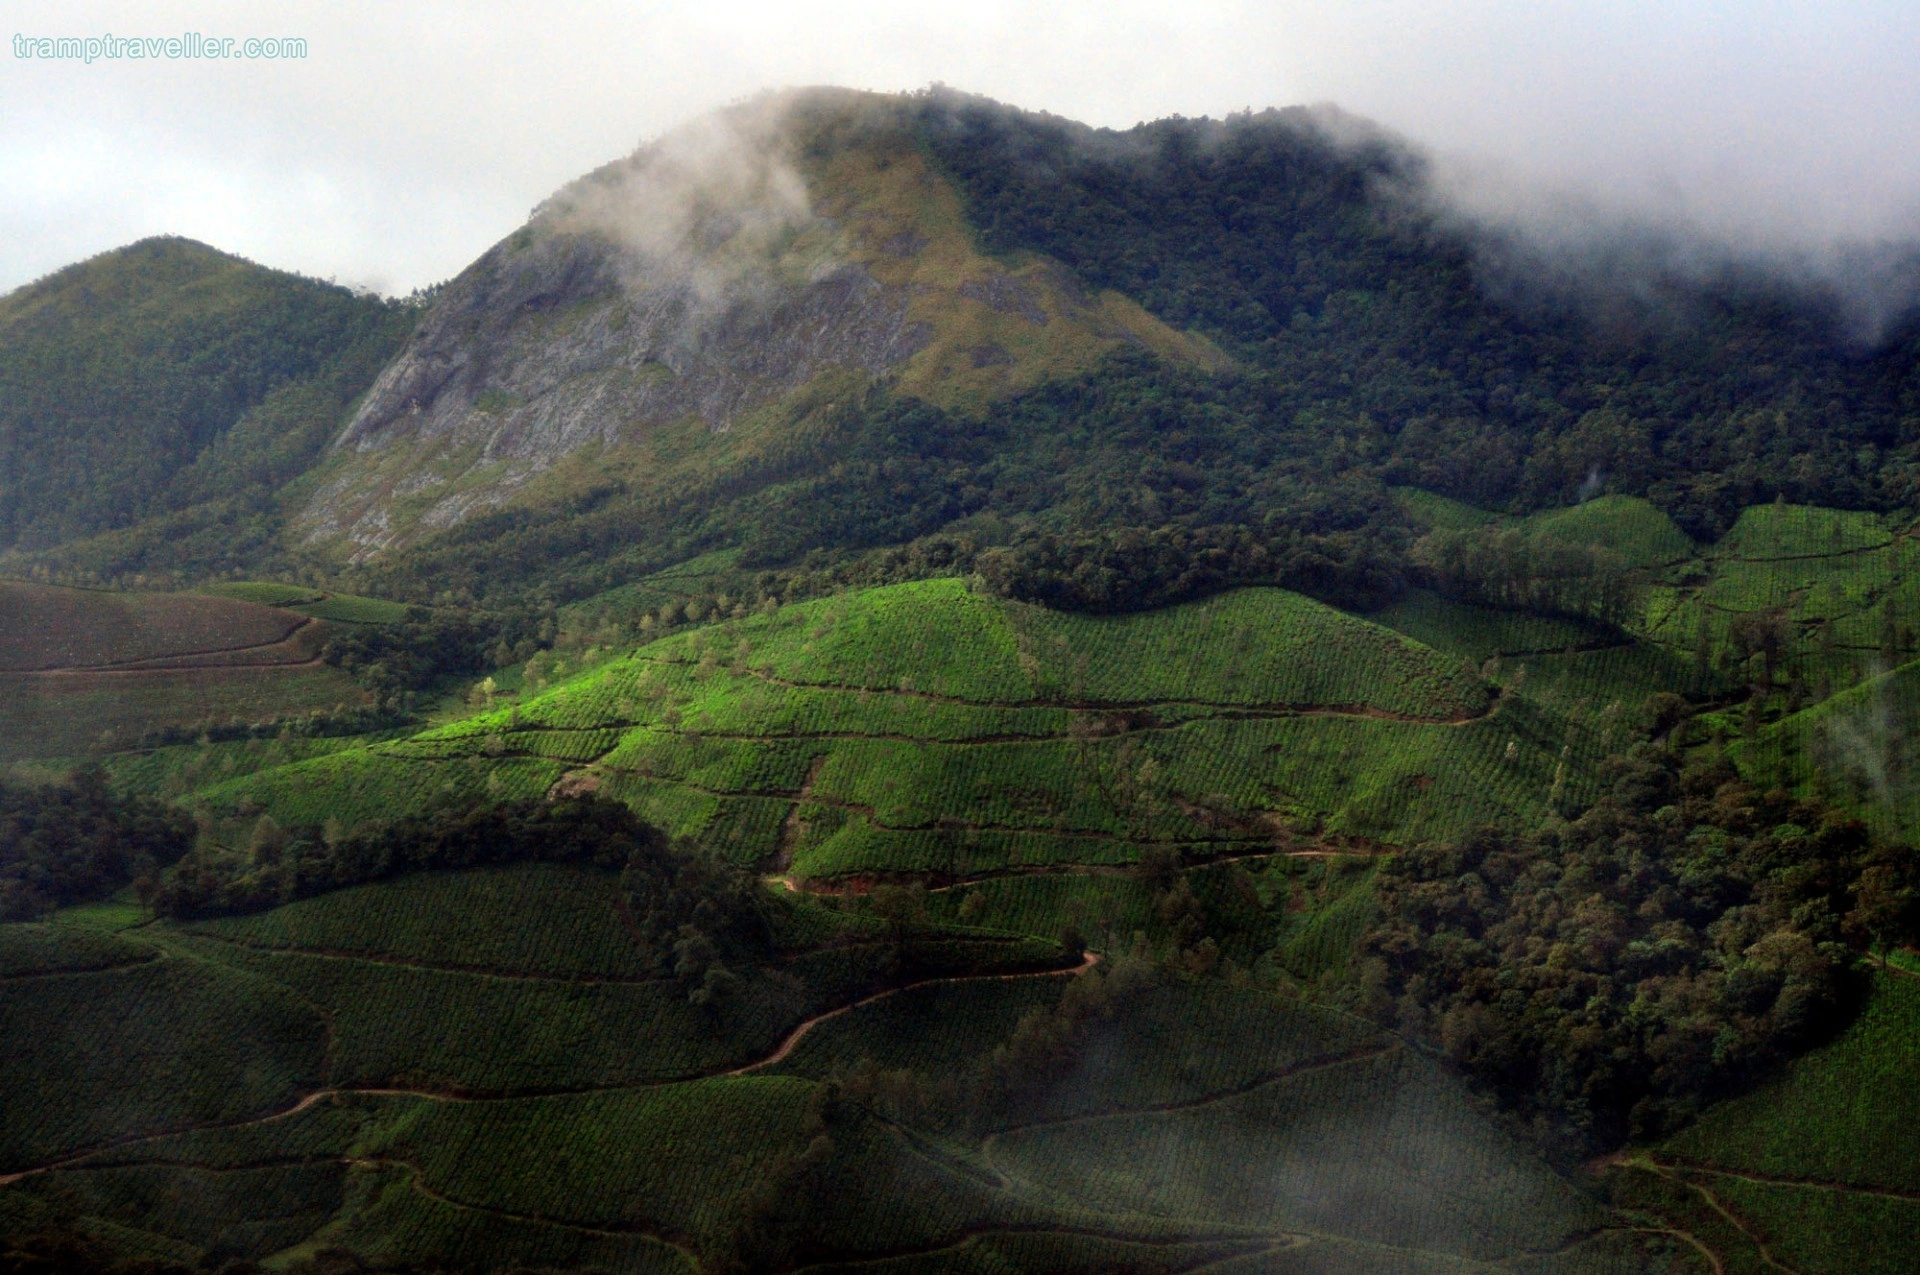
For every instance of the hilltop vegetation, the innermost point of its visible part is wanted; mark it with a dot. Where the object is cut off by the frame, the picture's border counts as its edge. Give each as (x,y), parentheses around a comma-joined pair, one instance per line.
(1297,239)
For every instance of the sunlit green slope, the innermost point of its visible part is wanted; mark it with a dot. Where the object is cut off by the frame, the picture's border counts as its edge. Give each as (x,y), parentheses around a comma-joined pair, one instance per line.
(923,727)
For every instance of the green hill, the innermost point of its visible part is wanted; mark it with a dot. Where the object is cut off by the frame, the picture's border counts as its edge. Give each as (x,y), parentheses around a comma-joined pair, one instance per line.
(167,374)
(1815,1171)
(924,727)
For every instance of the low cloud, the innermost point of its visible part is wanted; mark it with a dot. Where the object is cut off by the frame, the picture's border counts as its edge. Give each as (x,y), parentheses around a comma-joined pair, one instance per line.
(702,210)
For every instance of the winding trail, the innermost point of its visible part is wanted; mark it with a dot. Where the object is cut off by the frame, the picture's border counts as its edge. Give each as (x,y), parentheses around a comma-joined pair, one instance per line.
(861,883)
(1087,961)
(432,967)
(1250,1245)
(1762,1179)
(1373,1050)
(991,1142)
(28,976)
(1678,1177)
(418,1181)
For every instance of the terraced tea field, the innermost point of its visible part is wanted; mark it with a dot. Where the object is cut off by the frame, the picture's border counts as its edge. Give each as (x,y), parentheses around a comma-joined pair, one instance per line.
(924,729)
(91,672)
(1817,1172)
(956,1092)
(471,1068)
(1796,633)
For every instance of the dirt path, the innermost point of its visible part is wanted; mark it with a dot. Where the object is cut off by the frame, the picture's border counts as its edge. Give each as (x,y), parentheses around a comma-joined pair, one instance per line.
(1087,961)
(867,810)
(1903,972)
(413,1170)
(1374,1050)
(183,661)
(1680,1174)
(187,659)
(1269,710)
(81,971)
(1761,1179)
(1713,1259)
(861,883)
(432,967)
(1252,1245)
(1727,1215)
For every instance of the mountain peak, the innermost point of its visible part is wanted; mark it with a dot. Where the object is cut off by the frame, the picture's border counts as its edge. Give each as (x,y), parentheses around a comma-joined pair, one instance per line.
(693,290)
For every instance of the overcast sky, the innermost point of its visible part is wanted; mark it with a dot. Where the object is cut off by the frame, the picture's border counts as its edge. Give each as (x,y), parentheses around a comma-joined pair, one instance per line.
(414,135)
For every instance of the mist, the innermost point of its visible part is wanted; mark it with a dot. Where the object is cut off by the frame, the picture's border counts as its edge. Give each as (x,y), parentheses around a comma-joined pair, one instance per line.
(1678,140)
(700,210)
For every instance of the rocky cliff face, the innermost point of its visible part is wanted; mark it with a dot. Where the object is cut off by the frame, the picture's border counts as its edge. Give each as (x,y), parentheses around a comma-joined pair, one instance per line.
(697,285)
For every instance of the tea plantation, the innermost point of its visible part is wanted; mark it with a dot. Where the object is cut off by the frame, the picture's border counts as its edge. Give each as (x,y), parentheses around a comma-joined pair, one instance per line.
(941,799)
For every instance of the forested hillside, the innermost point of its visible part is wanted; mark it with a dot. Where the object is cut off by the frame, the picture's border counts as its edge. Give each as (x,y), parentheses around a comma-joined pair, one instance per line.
(168,374)
(1306,242)
(992,396)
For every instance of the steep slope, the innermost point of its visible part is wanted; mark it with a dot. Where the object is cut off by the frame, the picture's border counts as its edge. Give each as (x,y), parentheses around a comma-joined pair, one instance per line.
(686,295)
(164,374)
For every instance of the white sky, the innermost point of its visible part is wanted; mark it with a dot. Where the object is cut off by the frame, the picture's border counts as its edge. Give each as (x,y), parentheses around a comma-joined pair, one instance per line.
(414,135)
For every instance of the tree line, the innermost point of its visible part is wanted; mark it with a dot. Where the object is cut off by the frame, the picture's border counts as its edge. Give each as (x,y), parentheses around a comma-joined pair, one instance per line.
(76,841)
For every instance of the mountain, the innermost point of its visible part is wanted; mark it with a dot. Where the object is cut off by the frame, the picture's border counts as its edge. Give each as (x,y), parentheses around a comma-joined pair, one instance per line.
(687,307)
(1105,369)
(1323,333)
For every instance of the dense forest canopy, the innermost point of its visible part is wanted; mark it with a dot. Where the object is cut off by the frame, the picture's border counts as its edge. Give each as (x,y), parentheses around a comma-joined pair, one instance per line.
(77,841)
(1317,258)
